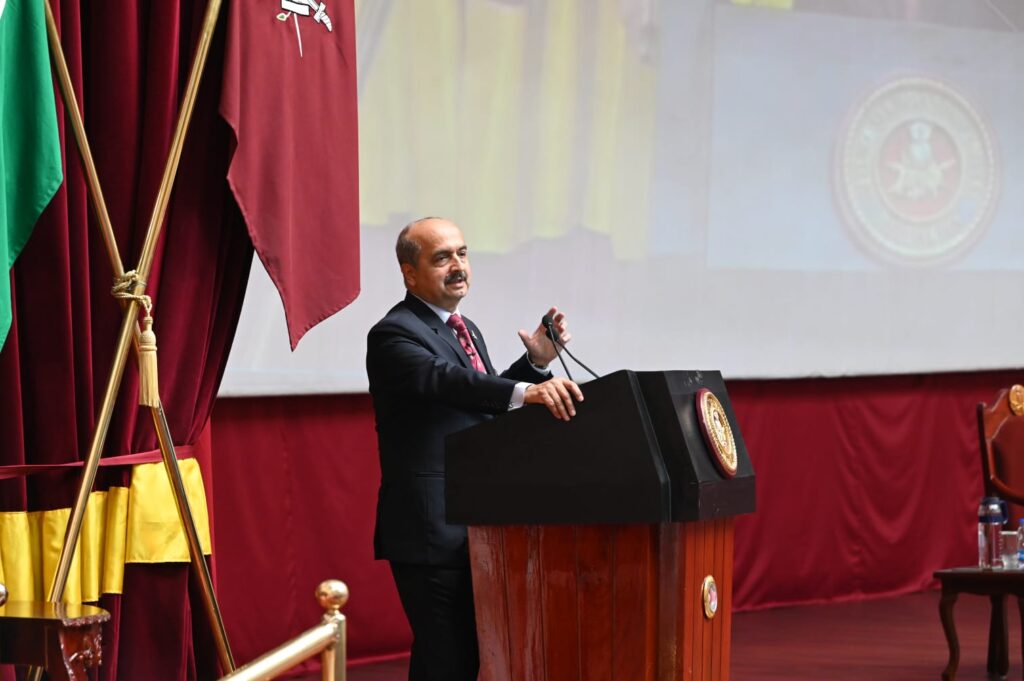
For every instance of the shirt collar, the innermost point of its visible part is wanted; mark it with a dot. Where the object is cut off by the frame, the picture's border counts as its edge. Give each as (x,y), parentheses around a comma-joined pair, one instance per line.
(439,311)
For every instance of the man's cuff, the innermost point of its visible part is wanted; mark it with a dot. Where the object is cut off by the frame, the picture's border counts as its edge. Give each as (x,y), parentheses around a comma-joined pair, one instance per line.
(518,396)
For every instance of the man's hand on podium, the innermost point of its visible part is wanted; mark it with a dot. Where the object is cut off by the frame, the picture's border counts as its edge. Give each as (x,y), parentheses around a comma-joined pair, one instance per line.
(557,394)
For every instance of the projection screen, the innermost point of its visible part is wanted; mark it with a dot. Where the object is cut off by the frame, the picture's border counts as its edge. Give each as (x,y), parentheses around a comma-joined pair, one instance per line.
(772,188)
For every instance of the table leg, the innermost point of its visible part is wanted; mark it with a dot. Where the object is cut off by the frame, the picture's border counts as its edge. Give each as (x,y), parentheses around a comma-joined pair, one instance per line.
(998,648)
(946,615)
(81,649)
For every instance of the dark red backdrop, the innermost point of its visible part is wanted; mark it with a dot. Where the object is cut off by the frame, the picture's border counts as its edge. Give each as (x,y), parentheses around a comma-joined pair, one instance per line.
(865,486)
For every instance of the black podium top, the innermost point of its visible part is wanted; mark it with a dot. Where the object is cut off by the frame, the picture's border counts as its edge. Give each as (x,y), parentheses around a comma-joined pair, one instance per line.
(634,453)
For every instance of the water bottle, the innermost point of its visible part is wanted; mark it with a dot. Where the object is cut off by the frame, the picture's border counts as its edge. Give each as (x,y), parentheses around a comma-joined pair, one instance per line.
(991,516)
(1020,544)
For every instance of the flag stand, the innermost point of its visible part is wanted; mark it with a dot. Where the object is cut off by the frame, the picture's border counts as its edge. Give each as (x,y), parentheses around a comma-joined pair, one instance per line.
(129,331)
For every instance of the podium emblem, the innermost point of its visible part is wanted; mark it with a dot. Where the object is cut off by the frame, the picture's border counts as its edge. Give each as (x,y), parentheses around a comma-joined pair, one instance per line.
(709,594)
(714,424)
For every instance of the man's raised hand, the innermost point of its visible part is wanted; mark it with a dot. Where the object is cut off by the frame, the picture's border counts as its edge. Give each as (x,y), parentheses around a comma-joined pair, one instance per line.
(538,346)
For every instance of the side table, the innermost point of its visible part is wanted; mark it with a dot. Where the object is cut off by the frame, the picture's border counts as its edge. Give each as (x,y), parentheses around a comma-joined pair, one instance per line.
(997,585)
(62,638)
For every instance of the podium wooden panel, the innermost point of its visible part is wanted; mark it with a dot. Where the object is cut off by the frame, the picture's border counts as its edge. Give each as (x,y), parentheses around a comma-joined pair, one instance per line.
(590,540)
(602,602)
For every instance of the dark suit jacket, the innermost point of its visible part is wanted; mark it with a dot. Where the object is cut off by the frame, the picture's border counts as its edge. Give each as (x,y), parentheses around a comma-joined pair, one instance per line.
(424,387)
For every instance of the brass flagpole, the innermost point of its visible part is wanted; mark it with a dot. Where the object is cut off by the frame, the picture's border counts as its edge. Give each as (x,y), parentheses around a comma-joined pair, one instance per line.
(129,329)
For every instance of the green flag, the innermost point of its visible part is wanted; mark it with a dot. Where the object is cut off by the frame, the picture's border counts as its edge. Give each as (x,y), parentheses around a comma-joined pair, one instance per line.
(30,170)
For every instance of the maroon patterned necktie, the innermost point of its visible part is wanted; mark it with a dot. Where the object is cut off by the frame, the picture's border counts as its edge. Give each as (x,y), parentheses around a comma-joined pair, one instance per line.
(456,324)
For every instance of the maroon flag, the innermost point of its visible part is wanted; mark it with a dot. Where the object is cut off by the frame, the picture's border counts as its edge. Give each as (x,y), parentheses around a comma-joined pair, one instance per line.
(289,93)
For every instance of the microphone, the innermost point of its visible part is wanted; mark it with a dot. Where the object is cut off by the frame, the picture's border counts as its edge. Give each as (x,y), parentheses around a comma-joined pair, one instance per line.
(549,324)
(556,340)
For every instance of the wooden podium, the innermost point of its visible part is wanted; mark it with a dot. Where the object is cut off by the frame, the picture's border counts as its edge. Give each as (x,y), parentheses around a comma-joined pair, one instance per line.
(591,541)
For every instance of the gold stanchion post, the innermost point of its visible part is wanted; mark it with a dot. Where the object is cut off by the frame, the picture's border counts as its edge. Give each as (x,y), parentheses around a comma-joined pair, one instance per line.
(328,639)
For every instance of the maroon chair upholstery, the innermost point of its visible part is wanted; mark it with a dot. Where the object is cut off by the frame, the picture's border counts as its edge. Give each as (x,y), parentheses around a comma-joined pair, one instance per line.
(1001,437)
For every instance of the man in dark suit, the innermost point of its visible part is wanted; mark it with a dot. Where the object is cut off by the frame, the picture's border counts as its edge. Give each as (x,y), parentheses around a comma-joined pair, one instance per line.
(430,375)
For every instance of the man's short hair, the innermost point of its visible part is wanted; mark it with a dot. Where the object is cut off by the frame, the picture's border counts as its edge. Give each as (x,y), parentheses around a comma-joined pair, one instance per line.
(408,250)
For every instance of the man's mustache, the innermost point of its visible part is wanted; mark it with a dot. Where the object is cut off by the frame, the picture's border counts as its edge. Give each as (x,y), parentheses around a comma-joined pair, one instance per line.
(455,277)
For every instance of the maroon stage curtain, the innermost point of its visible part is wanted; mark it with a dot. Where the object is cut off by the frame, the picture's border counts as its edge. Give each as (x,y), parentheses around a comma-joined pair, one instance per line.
(865,486)
(129,63)
(295,503)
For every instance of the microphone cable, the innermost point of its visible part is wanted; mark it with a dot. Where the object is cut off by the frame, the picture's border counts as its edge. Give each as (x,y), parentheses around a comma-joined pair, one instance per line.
(556,340)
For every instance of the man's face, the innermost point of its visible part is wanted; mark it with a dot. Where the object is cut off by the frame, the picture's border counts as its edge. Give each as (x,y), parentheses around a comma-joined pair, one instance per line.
(441,275)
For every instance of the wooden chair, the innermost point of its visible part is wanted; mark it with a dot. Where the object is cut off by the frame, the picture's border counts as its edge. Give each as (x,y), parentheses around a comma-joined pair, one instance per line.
(1001,439)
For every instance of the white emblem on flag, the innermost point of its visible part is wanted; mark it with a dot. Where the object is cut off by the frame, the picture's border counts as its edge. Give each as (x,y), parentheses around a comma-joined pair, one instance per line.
(309,8)
(295,8)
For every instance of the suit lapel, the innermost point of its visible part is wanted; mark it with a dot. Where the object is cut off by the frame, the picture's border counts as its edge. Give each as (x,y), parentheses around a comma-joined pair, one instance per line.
(430,318)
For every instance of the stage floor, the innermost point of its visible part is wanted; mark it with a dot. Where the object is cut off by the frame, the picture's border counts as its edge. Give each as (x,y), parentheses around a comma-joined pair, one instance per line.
(892,639)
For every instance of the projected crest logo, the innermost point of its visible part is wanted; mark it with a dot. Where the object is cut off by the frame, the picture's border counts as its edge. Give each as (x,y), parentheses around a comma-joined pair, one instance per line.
(916,172)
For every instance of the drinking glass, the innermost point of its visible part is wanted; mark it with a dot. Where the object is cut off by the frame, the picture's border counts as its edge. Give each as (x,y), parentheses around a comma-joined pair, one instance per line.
(1009,551)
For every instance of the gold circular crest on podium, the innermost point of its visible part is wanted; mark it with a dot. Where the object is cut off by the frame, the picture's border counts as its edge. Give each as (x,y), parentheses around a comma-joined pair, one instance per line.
(1017,399)
(714,424)
(916,172)
(709,594)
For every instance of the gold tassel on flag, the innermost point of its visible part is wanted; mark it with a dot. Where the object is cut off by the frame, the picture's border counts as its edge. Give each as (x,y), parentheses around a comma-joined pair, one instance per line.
(149,384)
